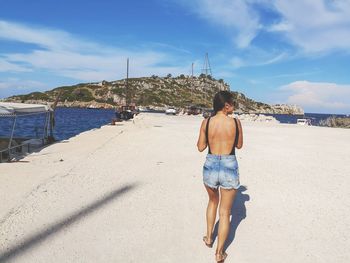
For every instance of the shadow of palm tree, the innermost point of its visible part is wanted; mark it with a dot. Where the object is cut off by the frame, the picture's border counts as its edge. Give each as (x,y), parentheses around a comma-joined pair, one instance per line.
(238,212)
(56,227)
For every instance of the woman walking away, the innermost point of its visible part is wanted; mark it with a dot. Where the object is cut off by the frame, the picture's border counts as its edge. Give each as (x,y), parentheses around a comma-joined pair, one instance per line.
(222,135)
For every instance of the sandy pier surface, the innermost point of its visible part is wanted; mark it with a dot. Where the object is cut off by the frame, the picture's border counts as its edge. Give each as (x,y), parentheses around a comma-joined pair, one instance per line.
(134,193)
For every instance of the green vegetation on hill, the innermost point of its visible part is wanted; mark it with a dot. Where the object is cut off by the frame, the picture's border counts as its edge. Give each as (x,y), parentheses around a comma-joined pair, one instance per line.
(79,94)
(175,91)
(178,91)
(34,96)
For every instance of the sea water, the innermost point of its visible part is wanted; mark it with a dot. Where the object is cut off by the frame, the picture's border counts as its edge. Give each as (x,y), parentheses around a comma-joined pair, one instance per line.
(70,122)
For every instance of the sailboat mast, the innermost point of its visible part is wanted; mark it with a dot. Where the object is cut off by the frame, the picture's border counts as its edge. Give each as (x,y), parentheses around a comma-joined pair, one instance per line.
(127,95)
(192,83)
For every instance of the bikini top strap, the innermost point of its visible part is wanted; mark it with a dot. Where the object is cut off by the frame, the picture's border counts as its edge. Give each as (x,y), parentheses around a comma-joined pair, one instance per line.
(237,133)
(233,151)
(206,134)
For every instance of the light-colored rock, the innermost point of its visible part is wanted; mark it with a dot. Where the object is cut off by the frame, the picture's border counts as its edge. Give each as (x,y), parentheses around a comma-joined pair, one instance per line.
(163,91)
(257,117)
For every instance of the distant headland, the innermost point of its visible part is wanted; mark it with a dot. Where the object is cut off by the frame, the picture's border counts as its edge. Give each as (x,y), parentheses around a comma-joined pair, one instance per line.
(153,92)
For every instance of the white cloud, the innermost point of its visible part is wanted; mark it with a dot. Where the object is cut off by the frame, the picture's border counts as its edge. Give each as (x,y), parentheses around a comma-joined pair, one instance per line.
(91,67)
(318,96)
(43,37)
(237,62)
(12,67)
(11,86)
(237,16)
(274,59)
(288,75)
(21,84)
(256,58)
(64,54)
(314,25)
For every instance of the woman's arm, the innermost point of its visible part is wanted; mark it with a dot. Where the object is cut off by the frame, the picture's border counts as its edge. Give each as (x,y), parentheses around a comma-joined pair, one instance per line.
(202,140)
(240,137)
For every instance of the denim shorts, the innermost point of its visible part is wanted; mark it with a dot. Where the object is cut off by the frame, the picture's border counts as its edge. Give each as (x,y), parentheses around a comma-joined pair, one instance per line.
(221,170)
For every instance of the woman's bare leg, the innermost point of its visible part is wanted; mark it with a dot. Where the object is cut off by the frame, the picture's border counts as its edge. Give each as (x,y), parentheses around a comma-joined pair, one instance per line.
(227,198)
(211,210)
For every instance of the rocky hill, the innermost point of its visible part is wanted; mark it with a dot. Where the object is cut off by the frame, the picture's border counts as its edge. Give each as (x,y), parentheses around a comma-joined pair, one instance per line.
(153,92)
(342,122)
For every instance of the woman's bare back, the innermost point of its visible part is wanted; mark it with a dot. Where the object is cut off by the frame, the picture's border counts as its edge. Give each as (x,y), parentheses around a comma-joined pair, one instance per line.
(221,134)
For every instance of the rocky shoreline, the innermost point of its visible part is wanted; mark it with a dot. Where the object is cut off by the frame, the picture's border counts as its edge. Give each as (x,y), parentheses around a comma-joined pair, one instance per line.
(257,118)
(336,122)
(152,92)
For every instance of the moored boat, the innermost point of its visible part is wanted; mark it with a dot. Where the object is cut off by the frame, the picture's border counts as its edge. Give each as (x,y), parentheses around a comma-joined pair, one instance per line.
(13,114)
(304,122)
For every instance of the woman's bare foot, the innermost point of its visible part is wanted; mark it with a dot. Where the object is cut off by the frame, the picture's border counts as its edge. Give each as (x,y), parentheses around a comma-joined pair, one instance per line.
(220,257)
(208,242)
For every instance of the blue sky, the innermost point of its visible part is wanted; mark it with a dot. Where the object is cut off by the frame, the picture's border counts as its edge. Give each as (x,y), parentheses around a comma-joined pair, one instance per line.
(274,51)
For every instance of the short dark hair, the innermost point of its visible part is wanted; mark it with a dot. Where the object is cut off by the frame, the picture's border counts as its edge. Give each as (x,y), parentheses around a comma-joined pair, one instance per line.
(220,99)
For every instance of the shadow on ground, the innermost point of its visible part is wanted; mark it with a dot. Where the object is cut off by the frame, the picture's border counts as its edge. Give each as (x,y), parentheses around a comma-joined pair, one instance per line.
(238,212)
(64,223)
